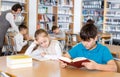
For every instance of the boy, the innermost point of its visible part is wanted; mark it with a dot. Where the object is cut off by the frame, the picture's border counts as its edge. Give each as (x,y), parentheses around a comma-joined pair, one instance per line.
(19,38)
(58,33)
(99,55)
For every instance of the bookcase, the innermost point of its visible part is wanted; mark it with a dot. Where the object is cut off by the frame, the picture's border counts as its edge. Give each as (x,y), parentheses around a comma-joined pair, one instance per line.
(93,9)
(55,12)
(112,18)
(21,18)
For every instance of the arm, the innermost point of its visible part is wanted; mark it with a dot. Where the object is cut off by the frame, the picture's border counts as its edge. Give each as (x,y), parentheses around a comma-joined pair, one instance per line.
(30,49)
(107,59)
(19,42)
(110,66)
(10,19)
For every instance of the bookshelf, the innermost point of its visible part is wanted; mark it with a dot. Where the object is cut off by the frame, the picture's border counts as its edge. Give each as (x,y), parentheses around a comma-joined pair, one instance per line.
(21,18)
(55,12)
(93,9)
(112,18)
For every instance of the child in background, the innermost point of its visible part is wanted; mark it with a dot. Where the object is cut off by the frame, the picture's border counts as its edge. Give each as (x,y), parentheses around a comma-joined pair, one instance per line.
(99,55)
(19,38)
(57,32)
(46,48)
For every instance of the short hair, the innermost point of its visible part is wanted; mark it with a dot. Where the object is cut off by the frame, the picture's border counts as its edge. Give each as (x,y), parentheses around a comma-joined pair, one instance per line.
(88,31)
(15,7)
(40,31)
(54,28)
(21,27)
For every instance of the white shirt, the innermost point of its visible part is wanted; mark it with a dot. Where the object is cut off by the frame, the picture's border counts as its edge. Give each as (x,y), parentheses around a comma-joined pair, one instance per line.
(54,50)
(19,42)
(10,19)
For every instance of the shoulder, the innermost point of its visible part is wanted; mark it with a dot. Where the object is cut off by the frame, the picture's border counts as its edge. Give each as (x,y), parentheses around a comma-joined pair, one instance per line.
(102,47)
(18,35)
(79,45)
(9,14)
(54,41)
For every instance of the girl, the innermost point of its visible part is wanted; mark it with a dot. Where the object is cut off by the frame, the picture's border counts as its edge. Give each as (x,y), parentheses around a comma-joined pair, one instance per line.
(46,48)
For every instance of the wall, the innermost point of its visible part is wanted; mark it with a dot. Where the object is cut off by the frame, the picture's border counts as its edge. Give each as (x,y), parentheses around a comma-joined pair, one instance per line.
(77,15)
(32,16)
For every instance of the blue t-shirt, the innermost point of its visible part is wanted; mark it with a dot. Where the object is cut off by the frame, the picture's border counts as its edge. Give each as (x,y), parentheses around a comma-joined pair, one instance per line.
(101,54)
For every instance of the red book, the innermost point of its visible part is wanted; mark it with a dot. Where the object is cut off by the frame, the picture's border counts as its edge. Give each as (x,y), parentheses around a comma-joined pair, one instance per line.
(77,62)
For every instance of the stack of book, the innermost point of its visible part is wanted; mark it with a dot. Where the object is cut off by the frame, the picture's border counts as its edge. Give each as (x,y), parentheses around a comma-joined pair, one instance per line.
(19,61)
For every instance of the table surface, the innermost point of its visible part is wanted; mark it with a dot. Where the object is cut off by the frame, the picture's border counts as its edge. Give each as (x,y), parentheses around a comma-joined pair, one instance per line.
(52,69)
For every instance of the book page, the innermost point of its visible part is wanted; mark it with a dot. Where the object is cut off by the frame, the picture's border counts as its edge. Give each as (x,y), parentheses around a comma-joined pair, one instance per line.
(65,59)
(79,59)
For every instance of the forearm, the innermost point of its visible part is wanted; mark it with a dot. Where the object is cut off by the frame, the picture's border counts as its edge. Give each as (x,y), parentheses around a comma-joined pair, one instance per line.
(102,67)
(30,49)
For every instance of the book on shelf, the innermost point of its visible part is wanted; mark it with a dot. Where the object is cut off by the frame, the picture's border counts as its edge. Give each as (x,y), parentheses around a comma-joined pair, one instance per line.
(19,61)
(77,62)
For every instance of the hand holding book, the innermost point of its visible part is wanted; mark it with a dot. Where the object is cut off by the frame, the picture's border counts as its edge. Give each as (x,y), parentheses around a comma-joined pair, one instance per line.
(77,62)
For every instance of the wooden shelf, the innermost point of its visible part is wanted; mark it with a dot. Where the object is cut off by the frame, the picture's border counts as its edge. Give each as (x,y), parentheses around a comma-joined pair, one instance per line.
(57,11)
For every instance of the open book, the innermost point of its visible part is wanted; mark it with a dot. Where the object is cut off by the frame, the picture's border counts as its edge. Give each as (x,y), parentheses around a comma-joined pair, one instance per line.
(77,62)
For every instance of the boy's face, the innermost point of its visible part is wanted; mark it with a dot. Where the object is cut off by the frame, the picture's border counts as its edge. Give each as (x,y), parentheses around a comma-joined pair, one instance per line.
(90,44)
(24,31)
(43,41)
(56,31)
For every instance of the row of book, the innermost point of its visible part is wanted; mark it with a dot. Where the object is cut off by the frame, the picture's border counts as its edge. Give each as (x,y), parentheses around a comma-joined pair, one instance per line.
(63,19)
(92,12)
(45,9)
(65,3)
(112,5)
(18,61)
(20,1)
(113,28)
(44,18)
(92,4)
(48,2)
(113,13)
(112,20)
(65,11)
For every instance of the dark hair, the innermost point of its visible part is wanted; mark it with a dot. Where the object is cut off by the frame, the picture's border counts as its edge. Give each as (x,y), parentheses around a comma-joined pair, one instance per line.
(54,28)
(16,7)
(21,27)
(90,21)
(40,31)
(88,31)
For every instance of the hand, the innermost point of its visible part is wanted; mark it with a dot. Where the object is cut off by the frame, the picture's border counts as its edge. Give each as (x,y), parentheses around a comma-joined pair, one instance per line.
(43,54)
(62,64)
(36,42)
(90,65)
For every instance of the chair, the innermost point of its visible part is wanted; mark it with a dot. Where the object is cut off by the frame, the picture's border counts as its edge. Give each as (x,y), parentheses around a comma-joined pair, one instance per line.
(118,65)
(9,45)
(71,40)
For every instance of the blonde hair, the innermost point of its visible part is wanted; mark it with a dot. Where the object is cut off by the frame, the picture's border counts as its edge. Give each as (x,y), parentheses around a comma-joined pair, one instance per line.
(39,32)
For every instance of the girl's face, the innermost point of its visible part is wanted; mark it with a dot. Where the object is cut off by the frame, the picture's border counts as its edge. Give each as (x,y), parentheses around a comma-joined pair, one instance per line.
(43,40)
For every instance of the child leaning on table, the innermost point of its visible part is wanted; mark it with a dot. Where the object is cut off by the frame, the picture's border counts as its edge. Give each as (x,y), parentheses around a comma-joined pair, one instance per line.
(46,47)
(99,55)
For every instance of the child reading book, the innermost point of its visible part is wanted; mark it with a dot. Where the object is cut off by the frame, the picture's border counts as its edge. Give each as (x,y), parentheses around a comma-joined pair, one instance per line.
(99,55)
(19,38)
(46,48)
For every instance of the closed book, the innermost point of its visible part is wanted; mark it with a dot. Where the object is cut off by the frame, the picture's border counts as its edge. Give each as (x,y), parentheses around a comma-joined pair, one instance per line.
(20,65)
(76,62)
(18,61)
